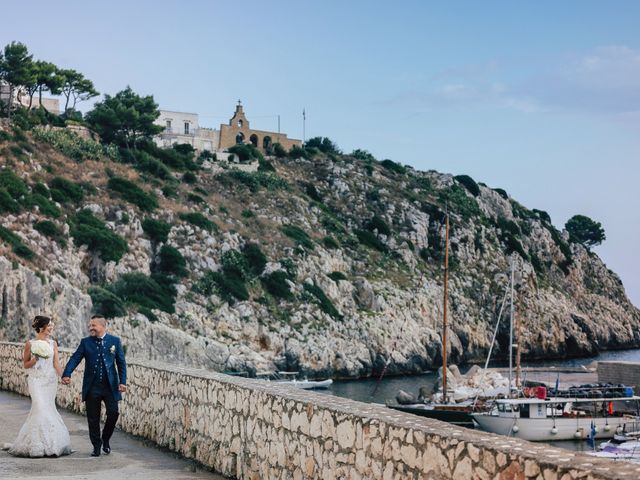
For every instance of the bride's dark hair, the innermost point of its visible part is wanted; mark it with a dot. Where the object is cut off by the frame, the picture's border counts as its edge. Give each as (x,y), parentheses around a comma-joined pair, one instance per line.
(39,322)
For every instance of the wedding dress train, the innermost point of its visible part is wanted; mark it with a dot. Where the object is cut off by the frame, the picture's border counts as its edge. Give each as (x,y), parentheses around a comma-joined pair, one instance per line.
(43,434)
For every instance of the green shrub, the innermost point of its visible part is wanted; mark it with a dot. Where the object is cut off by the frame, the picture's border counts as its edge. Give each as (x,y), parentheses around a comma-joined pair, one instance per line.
(189,177)
(279,151)
(458,201)
(172,262)
(193,198)
(41,189)
(253,181)
(542,215)
(336,276)
(13,184)
(468,183)
(147,312)
(155,291)
(330,242)
(361,154)
(246,153)
(65,191)
(378,223)
(169,191)
(15,241)
(7,203)
(322,300)
(106,303)
(393,166)
(73,146)
(311,191)
(298,235)
(256,260)
(502,193)
(512,244)
(45,206)
(247,213)
(563,246)
(92,232)
(324,144)
(229,287)
(156,230)
(132,193)
(5,136)
(508,226)
(51,230)
(146,163)
(276,283)
(234,264)
(297,152)
(365,237)
(199,220)
(265,165)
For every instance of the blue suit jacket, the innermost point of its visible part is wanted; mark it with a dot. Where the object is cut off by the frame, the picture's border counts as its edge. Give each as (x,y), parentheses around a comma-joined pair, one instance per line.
(113,356)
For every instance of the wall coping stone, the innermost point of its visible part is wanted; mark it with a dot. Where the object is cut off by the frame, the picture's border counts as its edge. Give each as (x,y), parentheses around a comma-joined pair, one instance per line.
(564,464)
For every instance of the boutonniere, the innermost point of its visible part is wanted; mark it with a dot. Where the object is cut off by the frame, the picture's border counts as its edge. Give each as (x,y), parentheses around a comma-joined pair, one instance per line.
(113,349)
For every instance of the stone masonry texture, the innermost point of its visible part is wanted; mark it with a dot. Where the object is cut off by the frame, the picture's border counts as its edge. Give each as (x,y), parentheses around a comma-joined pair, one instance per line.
(252,429)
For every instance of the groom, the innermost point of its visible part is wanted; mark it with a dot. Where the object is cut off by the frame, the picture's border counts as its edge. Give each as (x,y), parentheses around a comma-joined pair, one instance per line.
(101,383)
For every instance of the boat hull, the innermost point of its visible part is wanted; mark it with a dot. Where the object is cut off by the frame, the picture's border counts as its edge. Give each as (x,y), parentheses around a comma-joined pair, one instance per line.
(456,417)
(540,429)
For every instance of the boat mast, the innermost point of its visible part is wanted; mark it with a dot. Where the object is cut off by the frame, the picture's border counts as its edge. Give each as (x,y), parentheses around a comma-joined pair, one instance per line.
(444,320)
(511,328)
(518,340)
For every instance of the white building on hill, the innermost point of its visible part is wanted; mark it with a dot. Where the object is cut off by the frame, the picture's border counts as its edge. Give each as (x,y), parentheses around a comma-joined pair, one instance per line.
(182,127)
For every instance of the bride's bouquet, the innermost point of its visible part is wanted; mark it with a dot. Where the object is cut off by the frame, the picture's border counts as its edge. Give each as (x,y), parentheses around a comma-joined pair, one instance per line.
(41,349)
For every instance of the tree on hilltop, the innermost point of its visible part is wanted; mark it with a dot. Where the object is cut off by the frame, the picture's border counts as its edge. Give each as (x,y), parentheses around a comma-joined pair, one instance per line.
(76,87)
(16,68)
(585,231)
(324,144)
(125,118)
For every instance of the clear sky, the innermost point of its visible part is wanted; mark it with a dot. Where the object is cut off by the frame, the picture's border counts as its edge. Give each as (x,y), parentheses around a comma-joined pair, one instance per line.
(539,98)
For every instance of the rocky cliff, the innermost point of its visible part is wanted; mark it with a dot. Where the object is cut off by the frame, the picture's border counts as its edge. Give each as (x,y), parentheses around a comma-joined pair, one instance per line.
(330,264)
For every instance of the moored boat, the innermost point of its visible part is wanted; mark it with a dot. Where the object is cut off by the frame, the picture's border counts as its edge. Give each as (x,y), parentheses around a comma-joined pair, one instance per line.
(557,418)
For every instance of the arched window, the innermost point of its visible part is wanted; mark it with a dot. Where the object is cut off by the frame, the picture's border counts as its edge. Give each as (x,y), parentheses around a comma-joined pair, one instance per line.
(254,139)
(266,143)
(240,123)
(240,138)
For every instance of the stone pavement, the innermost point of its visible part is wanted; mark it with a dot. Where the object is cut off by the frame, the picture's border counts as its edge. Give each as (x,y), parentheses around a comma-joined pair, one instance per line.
(132,458)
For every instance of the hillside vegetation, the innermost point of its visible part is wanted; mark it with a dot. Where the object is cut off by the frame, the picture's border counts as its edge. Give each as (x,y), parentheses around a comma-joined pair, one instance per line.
(319,261)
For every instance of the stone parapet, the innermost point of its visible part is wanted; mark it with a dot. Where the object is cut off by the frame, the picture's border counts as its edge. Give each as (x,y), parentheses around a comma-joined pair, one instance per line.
(251,429)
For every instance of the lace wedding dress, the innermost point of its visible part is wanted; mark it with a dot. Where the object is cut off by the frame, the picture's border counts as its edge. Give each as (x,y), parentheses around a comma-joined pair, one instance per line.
(43,434)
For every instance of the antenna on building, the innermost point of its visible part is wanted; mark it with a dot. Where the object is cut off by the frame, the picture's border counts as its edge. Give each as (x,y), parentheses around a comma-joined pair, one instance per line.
(304,125)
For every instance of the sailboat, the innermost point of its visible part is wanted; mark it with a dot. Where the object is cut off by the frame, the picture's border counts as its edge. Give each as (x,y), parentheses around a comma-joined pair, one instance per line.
(445,410)
(568,415)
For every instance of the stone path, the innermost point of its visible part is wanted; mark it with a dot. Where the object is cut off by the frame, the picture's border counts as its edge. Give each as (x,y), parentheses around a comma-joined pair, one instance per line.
(131,458)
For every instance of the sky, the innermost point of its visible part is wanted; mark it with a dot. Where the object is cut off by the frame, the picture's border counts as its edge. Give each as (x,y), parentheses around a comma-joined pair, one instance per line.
(539,98)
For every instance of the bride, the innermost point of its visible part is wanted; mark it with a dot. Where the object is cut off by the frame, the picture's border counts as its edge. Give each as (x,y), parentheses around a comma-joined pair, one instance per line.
(43,434)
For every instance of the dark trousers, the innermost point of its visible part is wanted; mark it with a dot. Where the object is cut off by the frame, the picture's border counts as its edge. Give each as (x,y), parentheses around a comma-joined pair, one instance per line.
(97,394)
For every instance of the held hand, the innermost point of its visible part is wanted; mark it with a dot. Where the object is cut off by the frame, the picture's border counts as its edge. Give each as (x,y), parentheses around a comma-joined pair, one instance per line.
(122,388)
(66,380)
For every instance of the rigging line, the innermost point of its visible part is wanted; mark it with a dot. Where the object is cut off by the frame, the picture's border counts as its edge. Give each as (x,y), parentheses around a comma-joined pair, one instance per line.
(493,340)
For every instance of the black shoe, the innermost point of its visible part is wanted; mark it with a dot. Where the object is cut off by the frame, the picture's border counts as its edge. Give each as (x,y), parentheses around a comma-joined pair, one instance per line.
(96,452)
(106,448)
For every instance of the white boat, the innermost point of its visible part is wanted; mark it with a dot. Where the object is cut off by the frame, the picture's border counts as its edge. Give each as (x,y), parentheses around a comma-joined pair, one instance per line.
(624,446)
(290,378)
(558,418)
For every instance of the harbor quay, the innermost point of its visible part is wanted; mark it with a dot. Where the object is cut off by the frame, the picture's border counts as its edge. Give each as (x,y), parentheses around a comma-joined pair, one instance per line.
(250,429)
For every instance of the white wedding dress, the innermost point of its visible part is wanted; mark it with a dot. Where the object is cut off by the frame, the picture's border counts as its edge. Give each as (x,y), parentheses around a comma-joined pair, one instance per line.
(43,434)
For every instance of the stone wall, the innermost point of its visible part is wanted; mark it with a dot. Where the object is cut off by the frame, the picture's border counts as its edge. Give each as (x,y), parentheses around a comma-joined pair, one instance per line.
(251,429)
(620,372)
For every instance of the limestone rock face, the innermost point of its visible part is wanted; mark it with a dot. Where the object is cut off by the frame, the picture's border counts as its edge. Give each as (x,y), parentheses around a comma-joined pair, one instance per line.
(367,294)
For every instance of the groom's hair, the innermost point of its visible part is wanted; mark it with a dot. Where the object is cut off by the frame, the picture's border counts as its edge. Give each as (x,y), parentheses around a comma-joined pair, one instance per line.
(99,318)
